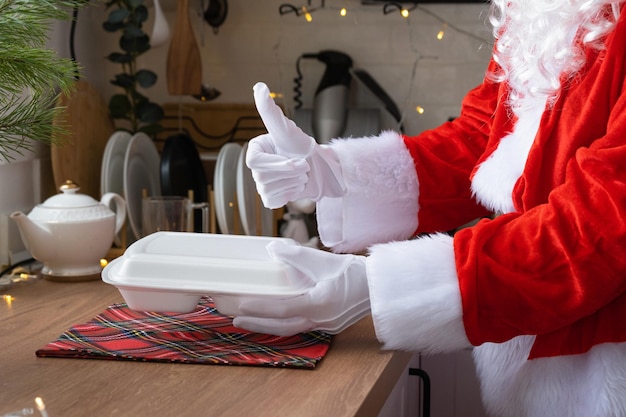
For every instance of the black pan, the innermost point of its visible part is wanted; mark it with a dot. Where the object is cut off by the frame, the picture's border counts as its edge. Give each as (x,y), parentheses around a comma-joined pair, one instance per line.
(182,170)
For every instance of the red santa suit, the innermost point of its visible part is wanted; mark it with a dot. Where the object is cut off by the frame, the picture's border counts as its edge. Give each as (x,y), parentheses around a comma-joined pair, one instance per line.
(540,289)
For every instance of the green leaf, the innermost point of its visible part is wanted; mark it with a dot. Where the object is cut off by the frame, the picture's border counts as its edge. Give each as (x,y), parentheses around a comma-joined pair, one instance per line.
(118,16)
(119,58)
(119,106)
(146,78)
(141,14)
(133,31)
(149,112)
(132,105)
(123,80)
(112,27)
(135,45)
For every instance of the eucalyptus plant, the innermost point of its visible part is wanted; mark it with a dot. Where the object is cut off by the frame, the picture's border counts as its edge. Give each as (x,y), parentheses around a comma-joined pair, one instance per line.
(31,76)
(143,115)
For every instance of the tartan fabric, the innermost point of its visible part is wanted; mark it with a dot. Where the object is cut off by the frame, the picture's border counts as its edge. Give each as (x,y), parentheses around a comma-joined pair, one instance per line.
(203,336)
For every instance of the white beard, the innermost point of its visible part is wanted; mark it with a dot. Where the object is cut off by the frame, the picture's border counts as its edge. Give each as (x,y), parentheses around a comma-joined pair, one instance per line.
(538,47)
(538,43)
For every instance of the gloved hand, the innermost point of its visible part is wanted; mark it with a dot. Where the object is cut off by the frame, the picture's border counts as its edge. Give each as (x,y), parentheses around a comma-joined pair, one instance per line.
(338,296)
(286,163)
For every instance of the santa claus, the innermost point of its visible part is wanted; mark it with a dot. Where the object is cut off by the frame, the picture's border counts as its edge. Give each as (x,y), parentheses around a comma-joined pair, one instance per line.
(538,286)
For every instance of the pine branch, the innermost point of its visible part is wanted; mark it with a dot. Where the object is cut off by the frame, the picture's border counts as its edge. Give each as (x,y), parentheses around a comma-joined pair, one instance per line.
(26,120)
(30,74)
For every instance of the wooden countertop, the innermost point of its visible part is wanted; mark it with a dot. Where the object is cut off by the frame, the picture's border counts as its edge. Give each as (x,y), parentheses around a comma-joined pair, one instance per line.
(354,379)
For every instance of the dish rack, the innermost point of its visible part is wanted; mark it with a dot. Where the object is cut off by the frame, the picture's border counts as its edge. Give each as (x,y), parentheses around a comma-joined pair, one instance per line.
(211,126)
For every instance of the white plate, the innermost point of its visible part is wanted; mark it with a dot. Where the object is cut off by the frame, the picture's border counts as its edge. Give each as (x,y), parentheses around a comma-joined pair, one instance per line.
(225,186)
(112,169)
(170,271)
(141,172)
(247,202)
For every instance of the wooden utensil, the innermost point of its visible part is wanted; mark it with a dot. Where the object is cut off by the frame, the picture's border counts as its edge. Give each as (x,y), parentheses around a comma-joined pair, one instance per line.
(184,64)
(78,155)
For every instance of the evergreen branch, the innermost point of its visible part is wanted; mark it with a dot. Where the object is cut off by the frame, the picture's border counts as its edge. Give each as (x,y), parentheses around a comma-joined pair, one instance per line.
(36,69)
(30,74)
(26,120)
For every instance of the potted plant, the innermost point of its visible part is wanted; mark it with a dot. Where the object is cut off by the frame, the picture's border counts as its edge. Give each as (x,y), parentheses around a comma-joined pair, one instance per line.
(141,114)
(31,76)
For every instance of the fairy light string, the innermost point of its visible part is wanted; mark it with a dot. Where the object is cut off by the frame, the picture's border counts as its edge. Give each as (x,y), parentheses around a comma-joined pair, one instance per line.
(387,8)
(404,9)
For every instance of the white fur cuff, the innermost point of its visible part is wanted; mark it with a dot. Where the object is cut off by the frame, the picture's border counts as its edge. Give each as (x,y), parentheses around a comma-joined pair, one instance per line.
(380,204)
(415,295)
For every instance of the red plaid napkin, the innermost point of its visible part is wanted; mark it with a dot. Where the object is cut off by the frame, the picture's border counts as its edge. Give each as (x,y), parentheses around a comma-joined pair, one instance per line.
(203,336)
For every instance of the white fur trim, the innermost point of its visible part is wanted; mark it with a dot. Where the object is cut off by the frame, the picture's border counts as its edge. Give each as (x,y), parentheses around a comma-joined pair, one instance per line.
(380,204)
(495,178)
(590,384)
(415,295)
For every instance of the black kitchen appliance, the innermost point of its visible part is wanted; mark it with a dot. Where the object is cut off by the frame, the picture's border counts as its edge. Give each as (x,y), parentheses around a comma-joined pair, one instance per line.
(330,104)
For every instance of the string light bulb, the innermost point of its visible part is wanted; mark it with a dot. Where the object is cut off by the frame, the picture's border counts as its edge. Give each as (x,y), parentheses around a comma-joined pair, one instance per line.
(392,6)
(306,14)
(8,299)
(41,407)
(305,11)
(442,31)
(343,12)
(419,109)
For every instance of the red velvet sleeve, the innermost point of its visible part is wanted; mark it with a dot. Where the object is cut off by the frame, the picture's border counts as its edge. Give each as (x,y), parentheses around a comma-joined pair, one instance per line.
(557,268)
(445,158)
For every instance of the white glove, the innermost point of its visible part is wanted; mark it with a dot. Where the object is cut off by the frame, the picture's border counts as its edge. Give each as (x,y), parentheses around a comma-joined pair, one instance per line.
(338,297)
(286,163)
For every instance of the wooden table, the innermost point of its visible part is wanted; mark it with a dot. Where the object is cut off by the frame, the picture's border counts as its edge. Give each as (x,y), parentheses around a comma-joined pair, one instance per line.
(354,379)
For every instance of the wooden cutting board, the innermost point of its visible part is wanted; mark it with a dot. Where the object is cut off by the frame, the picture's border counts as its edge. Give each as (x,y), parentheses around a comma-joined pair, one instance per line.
(184,64)
(78,155)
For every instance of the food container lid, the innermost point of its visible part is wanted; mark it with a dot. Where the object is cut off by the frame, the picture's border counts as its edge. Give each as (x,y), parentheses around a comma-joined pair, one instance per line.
(203,263)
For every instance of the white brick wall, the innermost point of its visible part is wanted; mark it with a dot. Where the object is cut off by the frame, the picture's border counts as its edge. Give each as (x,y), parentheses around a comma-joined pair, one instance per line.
(257,44)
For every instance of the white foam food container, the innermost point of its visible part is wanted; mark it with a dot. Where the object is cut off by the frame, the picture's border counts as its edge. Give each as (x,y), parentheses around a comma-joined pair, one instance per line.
(171,271)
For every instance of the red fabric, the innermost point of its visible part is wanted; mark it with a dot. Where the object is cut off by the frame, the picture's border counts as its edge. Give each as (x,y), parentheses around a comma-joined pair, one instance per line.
(556,268)
(203,336)
(445,158)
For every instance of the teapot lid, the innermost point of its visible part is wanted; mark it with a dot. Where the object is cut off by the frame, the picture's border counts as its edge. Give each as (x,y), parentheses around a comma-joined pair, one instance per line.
(69,197)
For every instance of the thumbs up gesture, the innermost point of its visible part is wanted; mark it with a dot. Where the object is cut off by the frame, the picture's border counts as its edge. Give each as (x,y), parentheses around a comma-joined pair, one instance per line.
(286,163)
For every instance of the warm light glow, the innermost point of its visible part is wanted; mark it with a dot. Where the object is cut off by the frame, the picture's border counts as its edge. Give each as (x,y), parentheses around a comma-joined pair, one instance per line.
(442,31)
(8,299)
(419,109)
(41,406)
(276,95)
(307,15)
(23,276)
(343,12)
(103,262)
(404,13)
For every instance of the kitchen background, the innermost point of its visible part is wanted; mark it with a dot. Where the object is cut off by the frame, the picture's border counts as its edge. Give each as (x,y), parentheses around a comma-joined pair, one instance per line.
(257,43)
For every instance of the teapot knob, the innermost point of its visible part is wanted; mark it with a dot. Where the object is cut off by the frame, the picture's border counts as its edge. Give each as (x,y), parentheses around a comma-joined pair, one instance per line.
(69,185)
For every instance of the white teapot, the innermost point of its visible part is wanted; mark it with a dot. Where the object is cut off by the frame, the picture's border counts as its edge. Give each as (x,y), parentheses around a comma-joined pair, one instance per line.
(70,232)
